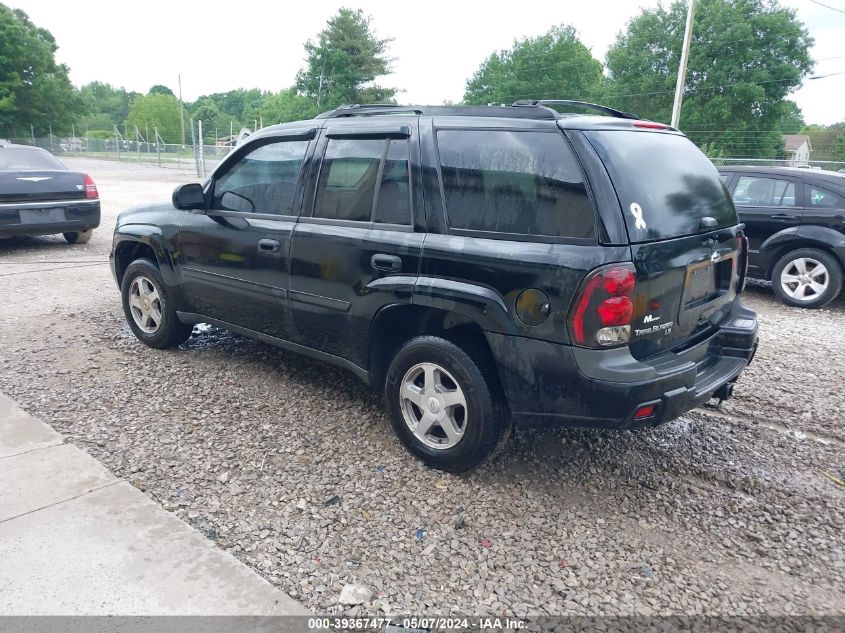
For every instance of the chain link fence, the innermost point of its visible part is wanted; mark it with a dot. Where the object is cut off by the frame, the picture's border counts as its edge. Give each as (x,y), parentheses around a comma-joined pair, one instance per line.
(199,158)
(825,165)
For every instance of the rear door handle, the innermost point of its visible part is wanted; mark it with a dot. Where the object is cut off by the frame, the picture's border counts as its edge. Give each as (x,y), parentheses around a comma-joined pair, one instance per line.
(784,216)
(386,263)
(269,246)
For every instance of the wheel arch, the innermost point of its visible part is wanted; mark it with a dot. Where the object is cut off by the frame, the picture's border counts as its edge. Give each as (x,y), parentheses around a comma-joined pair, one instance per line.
(395,324)
(796,238)
(142,241)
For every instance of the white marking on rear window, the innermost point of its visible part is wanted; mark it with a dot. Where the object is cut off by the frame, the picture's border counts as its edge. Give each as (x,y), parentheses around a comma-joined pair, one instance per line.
(637,212)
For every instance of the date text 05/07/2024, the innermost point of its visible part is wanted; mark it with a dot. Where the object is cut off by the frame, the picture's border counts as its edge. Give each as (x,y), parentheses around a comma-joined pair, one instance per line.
(415,624)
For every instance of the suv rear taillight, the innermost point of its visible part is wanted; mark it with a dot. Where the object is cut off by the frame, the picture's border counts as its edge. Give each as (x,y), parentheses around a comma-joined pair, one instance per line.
(744,257)
(603,309)
(90,187)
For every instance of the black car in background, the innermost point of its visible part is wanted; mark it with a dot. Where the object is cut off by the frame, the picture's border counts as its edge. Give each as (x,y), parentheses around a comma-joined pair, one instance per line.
(477,265)
(795,222)
(40,196)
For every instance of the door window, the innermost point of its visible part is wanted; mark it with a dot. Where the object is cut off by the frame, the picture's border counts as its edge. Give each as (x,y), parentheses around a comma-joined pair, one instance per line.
(262,181)
(513,182)
(393,205)
(823,199)
(753,191)
(365,180)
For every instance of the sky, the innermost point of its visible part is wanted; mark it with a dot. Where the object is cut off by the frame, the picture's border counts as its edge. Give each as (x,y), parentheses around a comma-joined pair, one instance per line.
(219,46)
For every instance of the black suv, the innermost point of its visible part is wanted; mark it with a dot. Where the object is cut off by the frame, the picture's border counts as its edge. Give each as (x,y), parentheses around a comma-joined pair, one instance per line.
(480,265)
(795,222)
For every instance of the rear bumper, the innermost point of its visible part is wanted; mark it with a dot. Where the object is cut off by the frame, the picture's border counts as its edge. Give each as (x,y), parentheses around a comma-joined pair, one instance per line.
(67,216)
(552,383)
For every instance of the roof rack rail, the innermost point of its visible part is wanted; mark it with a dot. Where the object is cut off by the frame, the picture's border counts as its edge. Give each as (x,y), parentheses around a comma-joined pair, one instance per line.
(370,109)
(580,104)
(364,109)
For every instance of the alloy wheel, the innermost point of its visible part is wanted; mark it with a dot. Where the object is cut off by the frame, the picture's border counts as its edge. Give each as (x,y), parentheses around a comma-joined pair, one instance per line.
(433,405)
(145,304)
(804,279)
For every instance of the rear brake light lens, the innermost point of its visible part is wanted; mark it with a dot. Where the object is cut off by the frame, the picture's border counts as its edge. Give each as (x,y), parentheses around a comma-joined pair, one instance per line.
(604,309)
(90,188)
(616,311)
(619,281)
(651,125)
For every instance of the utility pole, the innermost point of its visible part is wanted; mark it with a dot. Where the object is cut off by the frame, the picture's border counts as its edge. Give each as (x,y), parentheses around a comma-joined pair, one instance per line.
(320,85)
(682,71)
(181,112)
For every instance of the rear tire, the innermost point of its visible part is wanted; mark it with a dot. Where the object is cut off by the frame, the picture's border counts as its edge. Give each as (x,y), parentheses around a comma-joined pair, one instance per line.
(445,405)
(78,237)
(807,278)
(148,308)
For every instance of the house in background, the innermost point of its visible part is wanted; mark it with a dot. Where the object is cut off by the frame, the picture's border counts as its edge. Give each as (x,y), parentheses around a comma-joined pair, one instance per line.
(798,149)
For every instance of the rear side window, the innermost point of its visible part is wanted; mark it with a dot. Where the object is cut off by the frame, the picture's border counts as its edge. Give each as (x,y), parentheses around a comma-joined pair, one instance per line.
(365,180)
(753,191)
(525,183)
(821,198)
(664,183)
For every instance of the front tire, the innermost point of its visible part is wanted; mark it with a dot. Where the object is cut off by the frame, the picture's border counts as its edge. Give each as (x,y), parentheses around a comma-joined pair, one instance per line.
(807,278)
(78,237)
(444,405)
(148,309)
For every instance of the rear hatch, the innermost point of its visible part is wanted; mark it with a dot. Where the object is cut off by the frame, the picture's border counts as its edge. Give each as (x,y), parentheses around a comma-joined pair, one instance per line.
(35,186)
(685,237)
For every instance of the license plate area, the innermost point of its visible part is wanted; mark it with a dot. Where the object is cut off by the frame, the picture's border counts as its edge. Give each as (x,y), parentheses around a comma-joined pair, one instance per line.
(40,216)
(706,281)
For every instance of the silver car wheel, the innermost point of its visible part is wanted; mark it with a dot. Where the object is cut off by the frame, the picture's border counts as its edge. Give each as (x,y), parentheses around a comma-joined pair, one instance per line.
(804,279)
(433,405)
(145,304)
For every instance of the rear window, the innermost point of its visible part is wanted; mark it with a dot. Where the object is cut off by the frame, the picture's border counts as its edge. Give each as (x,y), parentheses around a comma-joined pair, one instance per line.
(28,160)
(520,183)
(664,183)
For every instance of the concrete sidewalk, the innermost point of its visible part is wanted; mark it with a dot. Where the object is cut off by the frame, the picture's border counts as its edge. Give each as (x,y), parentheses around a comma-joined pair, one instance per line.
(75,540)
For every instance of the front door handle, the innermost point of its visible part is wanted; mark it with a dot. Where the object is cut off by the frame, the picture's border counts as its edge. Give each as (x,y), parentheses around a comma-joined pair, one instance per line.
(269,246)
(784,216)
(386,263)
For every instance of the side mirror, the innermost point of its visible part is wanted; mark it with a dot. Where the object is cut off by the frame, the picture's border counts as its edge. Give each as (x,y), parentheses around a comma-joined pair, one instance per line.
(190,196)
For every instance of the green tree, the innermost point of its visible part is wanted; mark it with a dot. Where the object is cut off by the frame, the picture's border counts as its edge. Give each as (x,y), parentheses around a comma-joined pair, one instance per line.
(34,89)
(214,121)
(824,139)
(791,118)
(344,62)
(745,57)
(839,148)
(156,111)
(287,105)
(160,89)
(105,106)
(555,65)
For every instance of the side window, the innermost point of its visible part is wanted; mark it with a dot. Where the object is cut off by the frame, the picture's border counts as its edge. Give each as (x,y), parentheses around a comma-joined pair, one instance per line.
(393,205)
(513,182)
(823,199)
(262,181)
(348,178)
(764,192)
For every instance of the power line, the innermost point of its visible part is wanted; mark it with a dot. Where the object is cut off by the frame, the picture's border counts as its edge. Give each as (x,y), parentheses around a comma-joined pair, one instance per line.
(827,6)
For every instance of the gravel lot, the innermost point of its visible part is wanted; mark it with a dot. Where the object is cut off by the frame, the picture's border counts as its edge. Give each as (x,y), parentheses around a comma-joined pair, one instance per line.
(289,463)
